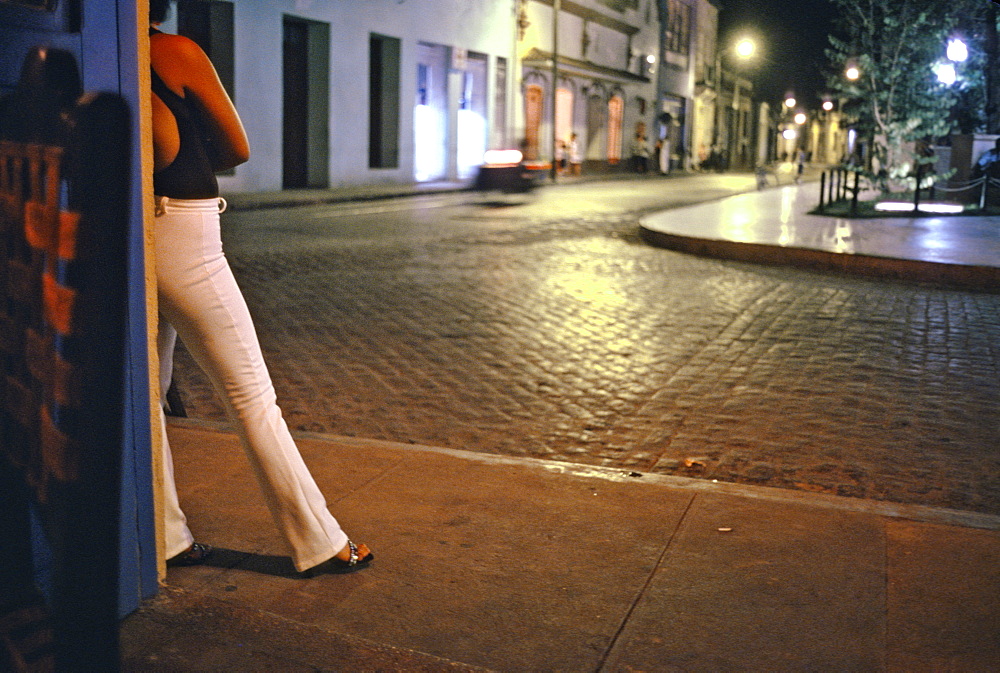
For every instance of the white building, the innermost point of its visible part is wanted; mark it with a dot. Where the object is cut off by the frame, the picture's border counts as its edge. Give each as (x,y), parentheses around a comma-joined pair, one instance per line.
(352,92)
(704,134)
(688,80)
(604,89)
(344,92)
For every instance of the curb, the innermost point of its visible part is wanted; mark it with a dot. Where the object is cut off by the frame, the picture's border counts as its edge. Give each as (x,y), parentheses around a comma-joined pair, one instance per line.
(882,508)
(957,276)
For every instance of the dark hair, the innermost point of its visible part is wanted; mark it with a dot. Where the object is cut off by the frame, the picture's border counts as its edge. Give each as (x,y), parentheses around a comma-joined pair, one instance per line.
(158,10)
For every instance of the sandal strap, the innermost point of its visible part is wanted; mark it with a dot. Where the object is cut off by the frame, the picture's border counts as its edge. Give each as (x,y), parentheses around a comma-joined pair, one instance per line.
(198,549)
(353,560)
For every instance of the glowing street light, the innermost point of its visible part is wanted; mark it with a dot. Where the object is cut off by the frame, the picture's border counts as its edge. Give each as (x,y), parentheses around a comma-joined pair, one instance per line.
(852,73)
(828,105)
(746,48)
(946,73)
(800,118)
(957,51)
(790,102)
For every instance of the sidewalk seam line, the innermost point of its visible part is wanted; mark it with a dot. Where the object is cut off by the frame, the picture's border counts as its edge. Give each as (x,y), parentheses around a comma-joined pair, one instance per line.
(615,639)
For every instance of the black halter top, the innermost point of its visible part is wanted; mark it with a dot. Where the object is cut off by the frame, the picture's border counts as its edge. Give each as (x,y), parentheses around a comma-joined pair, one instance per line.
(190,174)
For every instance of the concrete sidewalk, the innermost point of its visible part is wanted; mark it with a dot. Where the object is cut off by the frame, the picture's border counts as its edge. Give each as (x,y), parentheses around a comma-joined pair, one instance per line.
(486,562)
(495,563)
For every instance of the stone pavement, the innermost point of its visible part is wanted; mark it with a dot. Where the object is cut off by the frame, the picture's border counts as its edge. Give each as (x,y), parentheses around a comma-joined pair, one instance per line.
(529,331)
(507,563)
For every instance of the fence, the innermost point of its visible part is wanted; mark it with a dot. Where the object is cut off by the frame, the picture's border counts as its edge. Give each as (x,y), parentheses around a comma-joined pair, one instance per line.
(840,184)
(836,184)
(978,187)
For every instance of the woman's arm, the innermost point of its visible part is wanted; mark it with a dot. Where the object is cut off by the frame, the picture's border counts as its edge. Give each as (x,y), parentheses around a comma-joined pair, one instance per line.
(187,71)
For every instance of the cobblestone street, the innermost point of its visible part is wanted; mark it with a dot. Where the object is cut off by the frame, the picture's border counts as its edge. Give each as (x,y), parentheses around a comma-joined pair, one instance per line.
(568,338)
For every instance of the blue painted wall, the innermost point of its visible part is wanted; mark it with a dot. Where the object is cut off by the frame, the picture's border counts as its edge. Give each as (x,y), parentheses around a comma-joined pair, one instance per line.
(103,36)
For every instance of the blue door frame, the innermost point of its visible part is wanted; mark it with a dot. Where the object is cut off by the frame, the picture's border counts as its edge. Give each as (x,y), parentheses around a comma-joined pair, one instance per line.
(105,39)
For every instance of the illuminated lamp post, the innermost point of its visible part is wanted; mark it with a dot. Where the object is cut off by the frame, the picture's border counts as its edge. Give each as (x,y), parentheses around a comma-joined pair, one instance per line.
(827,142)
(745,49)
(852,73)
(955,53)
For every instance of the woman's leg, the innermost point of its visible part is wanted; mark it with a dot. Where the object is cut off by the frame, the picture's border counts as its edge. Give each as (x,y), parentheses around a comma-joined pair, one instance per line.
(199,297)
(178,536)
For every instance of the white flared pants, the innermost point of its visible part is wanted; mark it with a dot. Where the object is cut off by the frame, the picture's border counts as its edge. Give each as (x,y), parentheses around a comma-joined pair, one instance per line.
(200,302)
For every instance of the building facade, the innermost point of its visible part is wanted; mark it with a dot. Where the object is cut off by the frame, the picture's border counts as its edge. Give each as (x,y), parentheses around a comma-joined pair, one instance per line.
(343,92)
(689,84)
(603,88)
(705,102)
(340,92)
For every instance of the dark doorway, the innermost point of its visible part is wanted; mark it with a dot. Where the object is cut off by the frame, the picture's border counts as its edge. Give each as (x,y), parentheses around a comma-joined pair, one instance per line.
(305,107)
(295,111)
(383,100)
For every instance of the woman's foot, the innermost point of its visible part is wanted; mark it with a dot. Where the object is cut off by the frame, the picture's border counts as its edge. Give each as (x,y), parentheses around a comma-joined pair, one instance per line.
(194,555)
(348,560)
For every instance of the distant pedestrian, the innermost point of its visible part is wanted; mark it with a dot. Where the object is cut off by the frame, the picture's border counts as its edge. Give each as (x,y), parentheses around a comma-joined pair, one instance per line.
(575,160)
(988,162)
(640,153)
(197,132)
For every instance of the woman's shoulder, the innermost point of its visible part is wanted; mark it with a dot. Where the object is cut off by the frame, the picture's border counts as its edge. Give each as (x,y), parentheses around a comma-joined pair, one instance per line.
(177,46)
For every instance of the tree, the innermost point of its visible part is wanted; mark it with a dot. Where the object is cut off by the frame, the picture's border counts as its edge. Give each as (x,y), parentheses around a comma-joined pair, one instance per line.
(897,99)
(987,18)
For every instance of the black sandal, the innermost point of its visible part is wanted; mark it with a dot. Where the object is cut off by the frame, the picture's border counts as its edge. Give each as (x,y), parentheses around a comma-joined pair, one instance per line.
(336,566)
(194,555)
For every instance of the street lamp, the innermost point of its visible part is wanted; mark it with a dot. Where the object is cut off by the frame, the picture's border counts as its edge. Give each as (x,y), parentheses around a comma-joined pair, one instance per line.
(745,48)
(957,52)
(946,73)
(852,73)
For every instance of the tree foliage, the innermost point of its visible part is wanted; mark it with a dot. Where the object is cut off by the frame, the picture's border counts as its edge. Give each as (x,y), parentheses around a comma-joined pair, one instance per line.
(898,99)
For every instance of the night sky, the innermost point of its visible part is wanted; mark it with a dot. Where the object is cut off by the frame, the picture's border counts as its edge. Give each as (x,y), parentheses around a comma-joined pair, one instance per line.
(792,38)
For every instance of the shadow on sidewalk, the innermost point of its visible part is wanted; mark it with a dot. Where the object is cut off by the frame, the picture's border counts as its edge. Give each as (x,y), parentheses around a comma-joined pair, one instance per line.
(264,564)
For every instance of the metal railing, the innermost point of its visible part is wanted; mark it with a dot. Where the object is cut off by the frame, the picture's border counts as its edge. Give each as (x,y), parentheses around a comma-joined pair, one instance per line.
(841,184)
(835,185)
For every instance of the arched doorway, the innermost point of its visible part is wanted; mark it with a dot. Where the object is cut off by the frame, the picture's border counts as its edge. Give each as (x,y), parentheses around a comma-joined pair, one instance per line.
(597,117)
(534,104)
(564,116)
(616,109)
